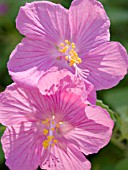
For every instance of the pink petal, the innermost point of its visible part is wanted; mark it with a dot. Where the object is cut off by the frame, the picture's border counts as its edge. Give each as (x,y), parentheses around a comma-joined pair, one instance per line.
(71,106)
(44,20)
(13,106)
(89,24)
(93,132)
(55,80)
(30,59)
(99,115)
(20,105)
(107,65)
(46,25)
(63,80)
(72,159)
(22,147)
(91,93)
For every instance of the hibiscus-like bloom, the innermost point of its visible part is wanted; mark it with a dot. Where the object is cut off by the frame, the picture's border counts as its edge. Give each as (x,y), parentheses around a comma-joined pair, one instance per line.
(76,39)
(51,126)
(3,8)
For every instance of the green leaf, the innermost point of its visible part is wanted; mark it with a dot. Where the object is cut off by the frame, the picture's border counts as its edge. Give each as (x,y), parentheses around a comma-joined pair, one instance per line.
(124,128)
(117,15)
(2,128)
(106,158)
(122,165)
(117,98)
(104,106)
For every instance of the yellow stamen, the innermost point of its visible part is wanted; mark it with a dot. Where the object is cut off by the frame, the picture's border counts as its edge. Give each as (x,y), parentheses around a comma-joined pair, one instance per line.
(70,52)
(79,60)
(66,57)
(45,144)
(57,126)
(73,47)
(73,44)
(72,61)
(45,131)
(71,55)
(55,141)
(53,123)
(50,138)
(45,121)
(66,41)
(71,64)
(62,44)
(53,144)
(52,129)
(64,49)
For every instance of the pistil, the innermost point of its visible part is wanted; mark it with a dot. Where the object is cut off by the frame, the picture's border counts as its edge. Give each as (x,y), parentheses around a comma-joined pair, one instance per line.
(71,55)
(49,131)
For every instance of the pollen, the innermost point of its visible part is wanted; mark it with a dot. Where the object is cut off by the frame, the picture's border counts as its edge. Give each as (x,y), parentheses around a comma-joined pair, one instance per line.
(45,131)
(67,42)
(57,126)
(73,45)
(62,44)
(52,129)
(49,132)
(66,57)
(69,50)
(53,123)
(50,138)
(53,145)
(45,144)
(49,142)
(45,121)
(55,141)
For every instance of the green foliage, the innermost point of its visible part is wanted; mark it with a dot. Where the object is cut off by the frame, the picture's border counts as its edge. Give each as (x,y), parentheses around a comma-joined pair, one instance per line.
(2,128)
(122,165)
(100,103)
(107,158)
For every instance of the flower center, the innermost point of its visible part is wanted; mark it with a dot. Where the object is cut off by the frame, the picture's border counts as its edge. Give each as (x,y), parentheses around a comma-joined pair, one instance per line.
(71,55)
(51,126)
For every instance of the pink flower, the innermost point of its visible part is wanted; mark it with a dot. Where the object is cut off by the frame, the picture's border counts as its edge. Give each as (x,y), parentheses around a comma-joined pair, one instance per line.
(3,8)
(51,130)
(76,39)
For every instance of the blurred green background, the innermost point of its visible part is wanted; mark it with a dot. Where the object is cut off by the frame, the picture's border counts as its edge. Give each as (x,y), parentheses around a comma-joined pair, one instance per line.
(115,155)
